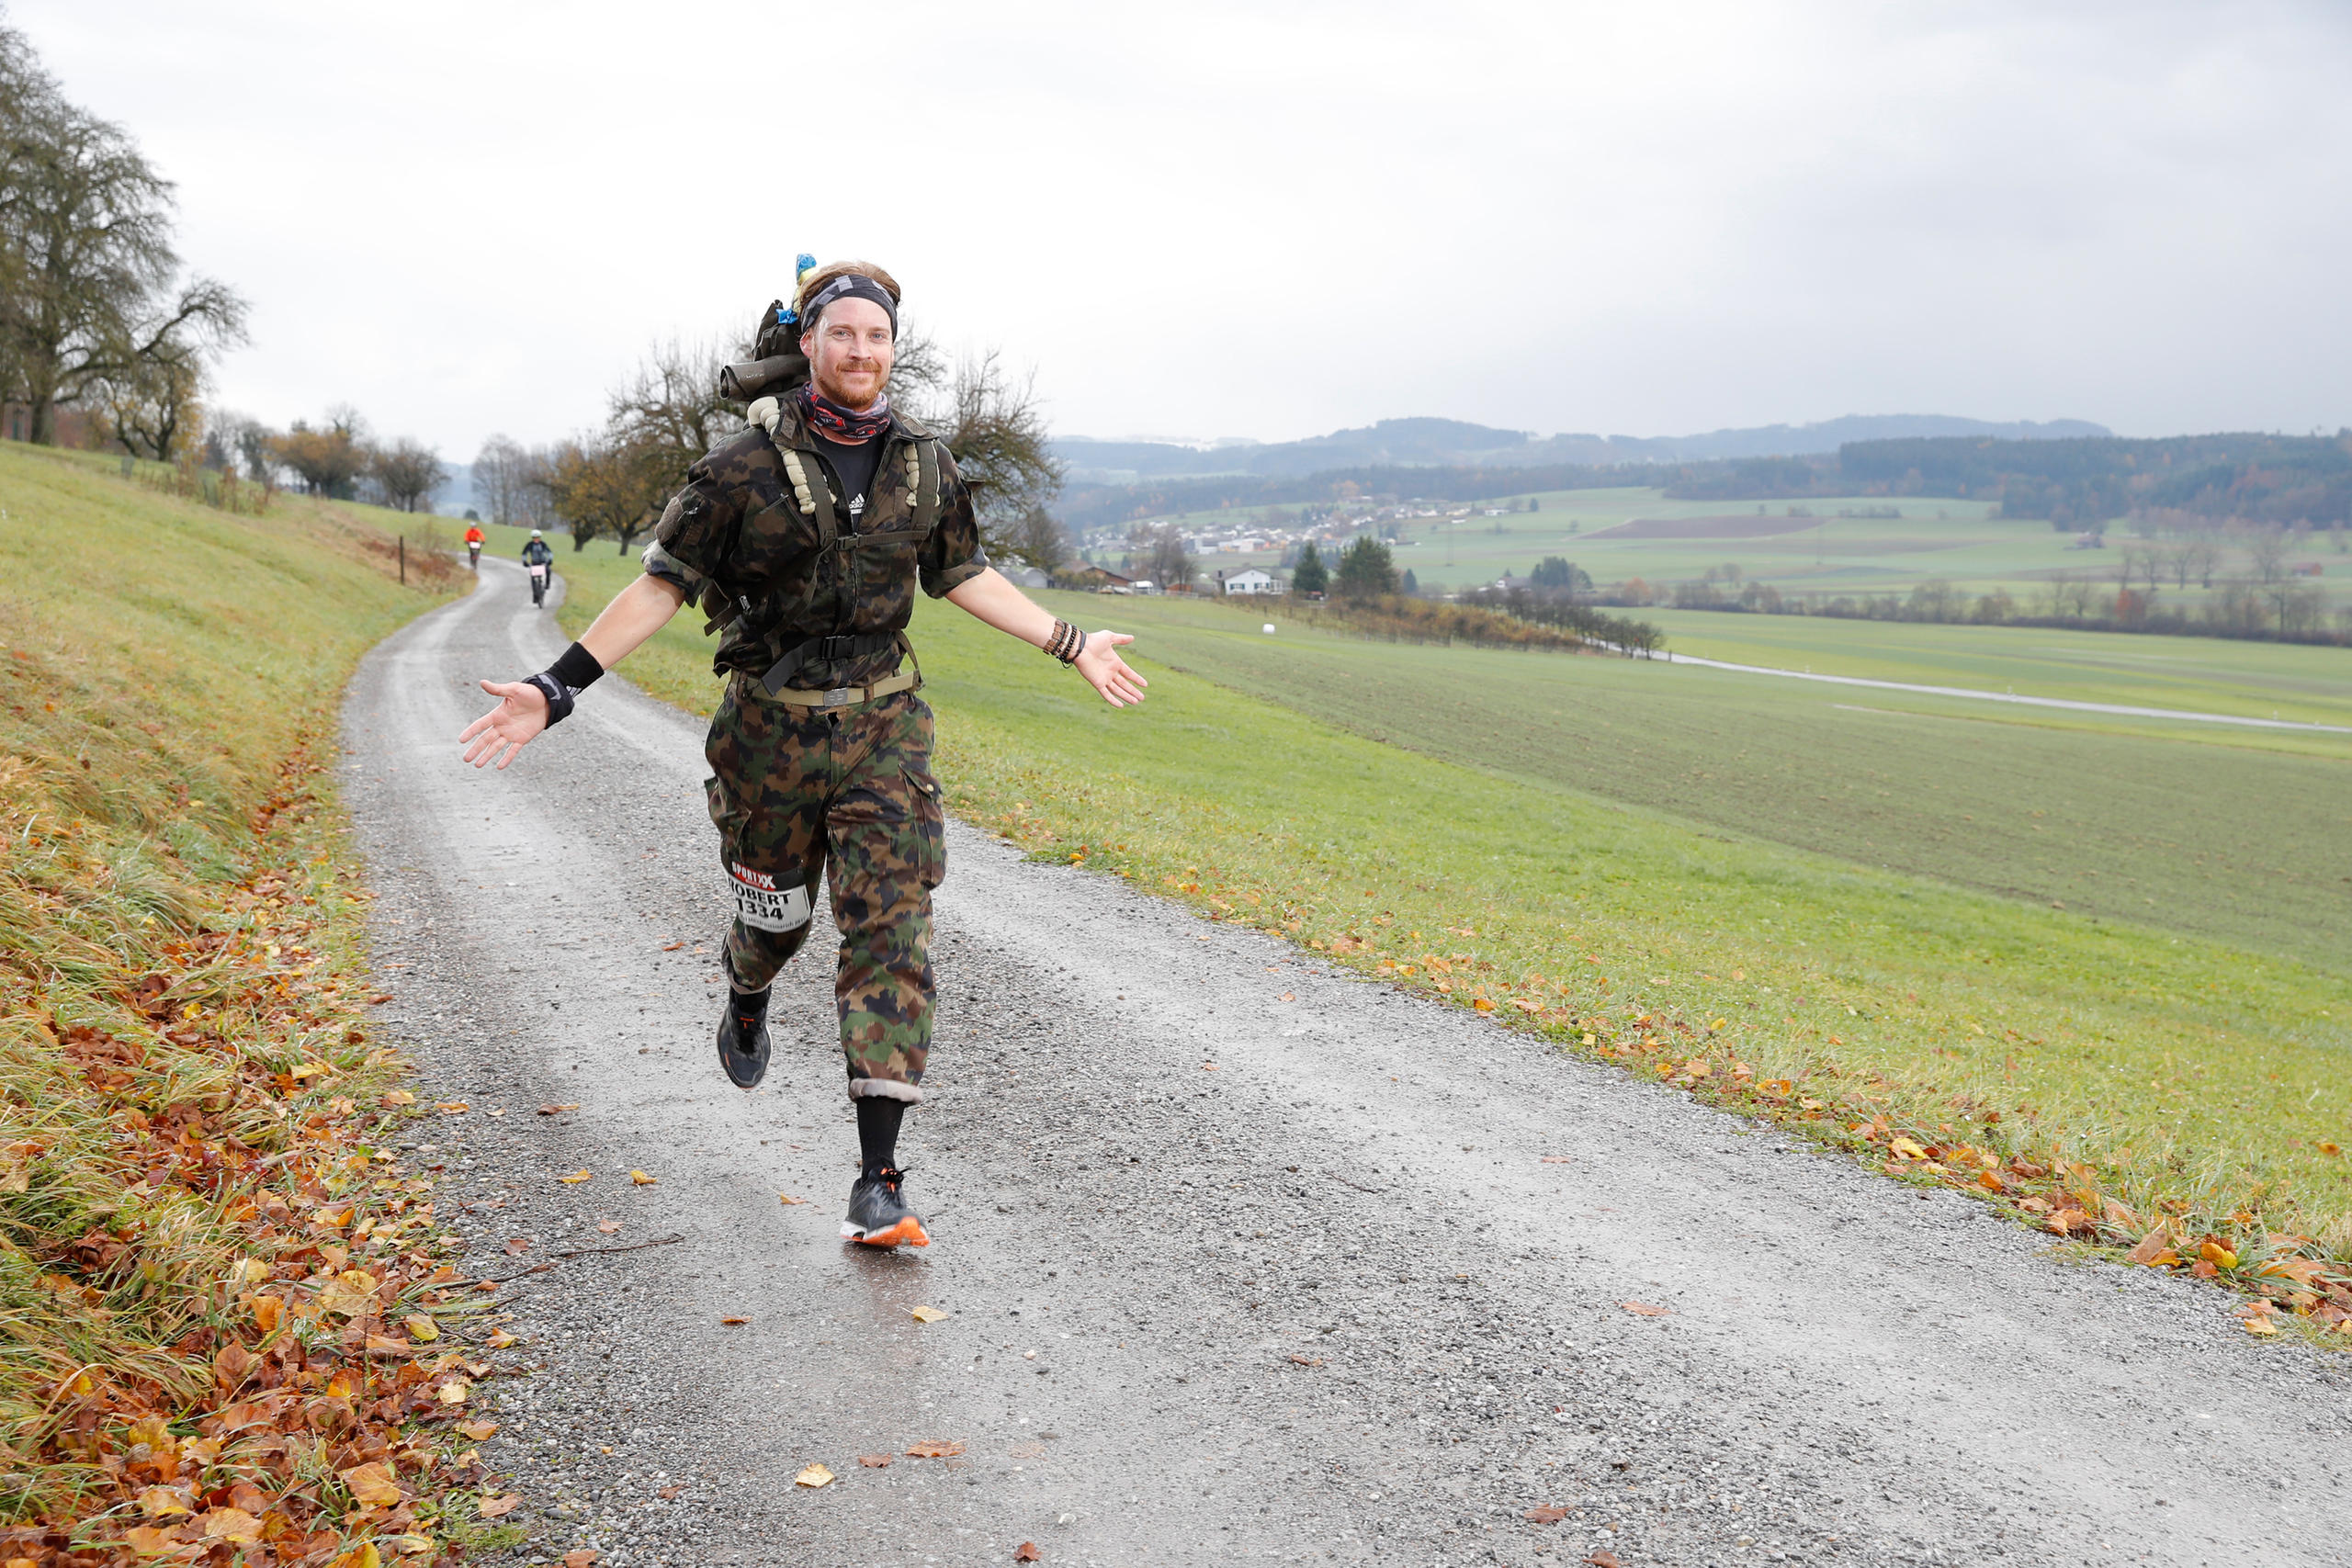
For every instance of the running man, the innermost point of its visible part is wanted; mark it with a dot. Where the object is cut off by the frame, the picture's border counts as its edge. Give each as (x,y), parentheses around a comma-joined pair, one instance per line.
(806,536)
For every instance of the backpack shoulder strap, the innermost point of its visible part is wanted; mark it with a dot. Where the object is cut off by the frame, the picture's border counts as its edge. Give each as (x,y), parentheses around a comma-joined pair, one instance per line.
(922,483)
(810,492)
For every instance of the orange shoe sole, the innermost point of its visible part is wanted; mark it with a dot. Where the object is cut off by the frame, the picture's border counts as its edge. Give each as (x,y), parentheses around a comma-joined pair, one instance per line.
(908,1232)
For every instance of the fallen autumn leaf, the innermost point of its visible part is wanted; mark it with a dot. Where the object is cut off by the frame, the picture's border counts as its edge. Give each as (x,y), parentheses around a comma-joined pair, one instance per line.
(875,1462)
(640,1178)
(499,1508)
(372,1484)
(232,1525)
(1027,1552)
(814,1476)
(1643,1309)
(935,1450)
(577,1177)
(1550,1514)
(732,1322)
(516,1245)
(928,1315)
(553,1110)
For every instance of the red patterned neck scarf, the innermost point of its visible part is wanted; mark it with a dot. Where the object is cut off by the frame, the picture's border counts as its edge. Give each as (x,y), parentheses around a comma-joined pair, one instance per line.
(834,423)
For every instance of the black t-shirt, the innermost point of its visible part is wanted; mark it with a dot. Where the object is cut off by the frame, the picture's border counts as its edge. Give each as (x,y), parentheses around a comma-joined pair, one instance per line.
(854,470)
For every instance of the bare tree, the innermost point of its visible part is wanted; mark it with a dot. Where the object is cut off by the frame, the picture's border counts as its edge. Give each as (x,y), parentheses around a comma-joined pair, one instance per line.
(1040,540)
(2265,551)
(91,308)
(239,438)
(1164,558)
(511,479)
(672,406)
(996,432)
(408,472)
(2204,556)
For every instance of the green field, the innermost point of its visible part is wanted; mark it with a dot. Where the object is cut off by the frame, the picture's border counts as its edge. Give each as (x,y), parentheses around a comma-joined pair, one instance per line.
(1587,834)
(2231,835)
(2254,680)
(1960,541)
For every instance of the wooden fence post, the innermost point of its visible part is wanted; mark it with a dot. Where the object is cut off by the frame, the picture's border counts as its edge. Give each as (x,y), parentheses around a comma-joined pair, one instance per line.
(404,560)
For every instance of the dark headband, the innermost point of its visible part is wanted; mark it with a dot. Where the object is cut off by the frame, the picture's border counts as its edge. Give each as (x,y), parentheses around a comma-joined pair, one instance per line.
(851,286)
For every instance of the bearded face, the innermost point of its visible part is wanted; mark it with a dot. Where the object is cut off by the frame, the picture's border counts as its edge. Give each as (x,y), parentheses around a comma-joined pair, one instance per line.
(850,349)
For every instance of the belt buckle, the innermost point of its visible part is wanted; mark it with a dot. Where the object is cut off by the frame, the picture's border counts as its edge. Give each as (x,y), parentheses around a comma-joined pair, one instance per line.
(841,696)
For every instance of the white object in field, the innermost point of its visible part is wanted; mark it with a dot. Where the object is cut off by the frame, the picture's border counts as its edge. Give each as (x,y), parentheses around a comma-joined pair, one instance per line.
(1267,628)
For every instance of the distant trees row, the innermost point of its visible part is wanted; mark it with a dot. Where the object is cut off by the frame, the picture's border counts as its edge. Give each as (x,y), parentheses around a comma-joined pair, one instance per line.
(96,313)
(336,458)
(2255,588)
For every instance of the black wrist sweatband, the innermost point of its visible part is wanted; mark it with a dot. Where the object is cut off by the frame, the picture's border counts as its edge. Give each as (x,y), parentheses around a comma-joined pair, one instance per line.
(565,679)
(577,669)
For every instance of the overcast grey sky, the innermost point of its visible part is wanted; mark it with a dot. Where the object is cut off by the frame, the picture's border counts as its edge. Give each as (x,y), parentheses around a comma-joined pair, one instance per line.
(1274,221)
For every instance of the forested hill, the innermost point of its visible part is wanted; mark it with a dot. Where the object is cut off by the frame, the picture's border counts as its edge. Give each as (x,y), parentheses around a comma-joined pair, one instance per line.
(2276,478)
(1452,443)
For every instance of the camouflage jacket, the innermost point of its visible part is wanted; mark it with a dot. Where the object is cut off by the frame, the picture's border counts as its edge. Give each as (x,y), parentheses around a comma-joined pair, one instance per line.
(773,574)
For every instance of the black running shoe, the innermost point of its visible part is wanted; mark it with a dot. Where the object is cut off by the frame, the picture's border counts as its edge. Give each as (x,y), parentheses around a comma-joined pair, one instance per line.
(878,1214)
(744,1039)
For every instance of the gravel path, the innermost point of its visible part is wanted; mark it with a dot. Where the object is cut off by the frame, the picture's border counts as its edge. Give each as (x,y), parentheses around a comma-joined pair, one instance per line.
(1354,1295)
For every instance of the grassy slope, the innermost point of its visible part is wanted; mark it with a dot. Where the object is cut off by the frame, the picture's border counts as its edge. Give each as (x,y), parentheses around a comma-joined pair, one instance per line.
(2179,1070)
(182,980)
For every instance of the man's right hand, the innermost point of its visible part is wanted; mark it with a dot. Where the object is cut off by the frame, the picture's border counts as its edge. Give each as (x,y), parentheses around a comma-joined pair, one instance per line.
(502,732)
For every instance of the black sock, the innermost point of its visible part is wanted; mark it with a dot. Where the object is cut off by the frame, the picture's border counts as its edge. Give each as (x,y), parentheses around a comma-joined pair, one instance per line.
(877,1131)
(750,1006)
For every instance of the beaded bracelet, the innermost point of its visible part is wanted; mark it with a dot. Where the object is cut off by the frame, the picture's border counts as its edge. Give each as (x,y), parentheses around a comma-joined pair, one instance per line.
(1066,643)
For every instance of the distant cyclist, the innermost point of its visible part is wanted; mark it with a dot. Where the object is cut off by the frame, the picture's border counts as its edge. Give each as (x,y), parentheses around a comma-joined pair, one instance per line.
(473,546)
(541,562)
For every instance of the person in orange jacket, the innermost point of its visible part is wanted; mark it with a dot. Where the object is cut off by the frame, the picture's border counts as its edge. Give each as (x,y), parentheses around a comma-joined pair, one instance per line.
(473,546)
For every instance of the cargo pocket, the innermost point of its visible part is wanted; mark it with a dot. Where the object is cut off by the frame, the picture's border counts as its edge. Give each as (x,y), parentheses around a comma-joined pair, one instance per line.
(929,828)
(768,899)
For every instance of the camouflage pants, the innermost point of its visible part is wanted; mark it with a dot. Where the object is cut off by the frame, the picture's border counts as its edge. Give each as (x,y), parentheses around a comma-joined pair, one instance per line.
(848,796)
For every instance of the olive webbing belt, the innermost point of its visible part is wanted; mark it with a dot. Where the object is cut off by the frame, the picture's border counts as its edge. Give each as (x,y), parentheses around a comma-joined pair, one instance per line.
(838,648)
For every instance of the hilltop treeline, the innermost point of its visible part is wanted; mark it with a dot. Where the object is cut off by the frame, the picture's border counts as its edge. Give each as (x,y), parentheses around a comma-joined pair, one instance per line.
(2073,482)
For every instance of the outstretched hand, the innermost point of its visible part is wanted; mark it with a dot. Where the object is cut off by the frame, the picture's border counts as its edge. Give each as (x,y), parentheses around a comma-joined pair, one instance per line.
(500,734)
(1107,672)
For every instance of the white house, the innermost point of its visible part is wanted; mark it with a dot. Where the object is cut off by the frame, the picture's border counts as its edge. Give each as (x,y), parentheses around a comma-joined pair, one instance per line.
(1252,582)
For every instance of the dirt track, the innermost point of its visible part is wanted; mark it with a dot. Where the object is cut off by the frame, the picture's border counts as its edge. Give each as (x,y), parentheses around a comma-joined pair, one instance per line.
(1329,1302)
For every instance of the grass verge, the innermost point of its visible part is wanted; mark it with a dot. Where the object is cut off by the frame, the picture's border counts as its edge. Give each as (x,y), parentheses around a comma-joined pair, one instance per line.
(2177,1100)
(221,1304)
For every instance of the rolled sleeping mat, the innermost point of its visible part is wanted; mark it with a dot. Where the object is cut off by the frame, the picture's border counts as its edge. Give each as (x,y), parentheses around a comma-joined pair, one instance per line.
(750,378)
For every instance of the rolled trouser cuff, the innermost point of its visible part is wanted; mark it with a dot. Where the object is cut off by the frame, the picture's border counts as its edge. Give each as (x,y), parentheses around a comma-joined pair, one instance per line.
(885,1088)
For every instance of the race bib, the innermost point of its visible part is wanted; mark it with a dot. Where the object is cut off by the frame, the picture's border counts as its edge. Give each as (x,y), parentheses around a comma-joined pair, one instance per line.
(763,906)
